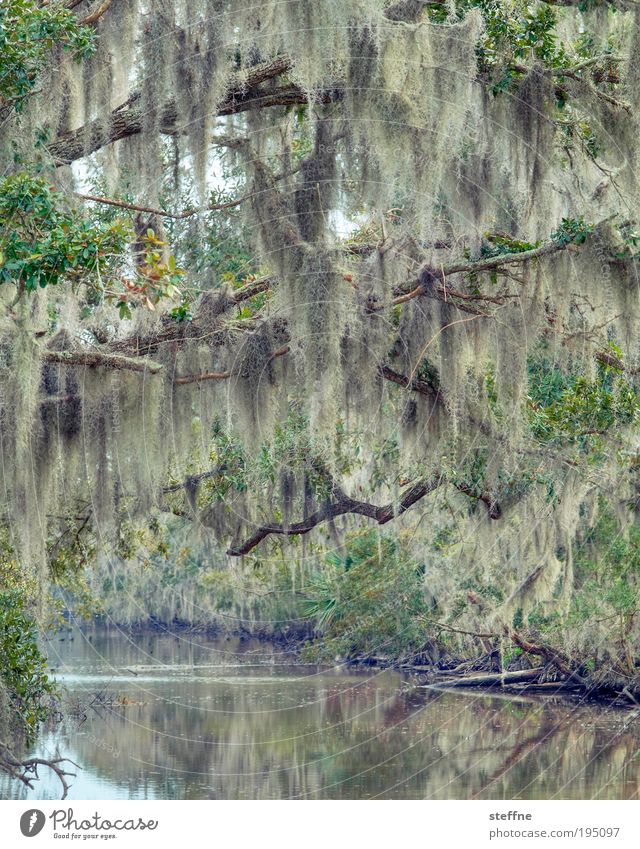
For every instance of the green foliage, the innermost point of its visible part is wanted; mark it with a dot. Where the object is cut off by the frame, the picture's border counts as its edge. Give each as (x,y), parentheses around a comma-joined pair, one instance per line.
(630,241)
(572,231)
(608,565)
(512,33)
(292,451)
(498,244)
(22,666)
(70,550)
(571,408)
(367,602)
(28,34)
(43,243)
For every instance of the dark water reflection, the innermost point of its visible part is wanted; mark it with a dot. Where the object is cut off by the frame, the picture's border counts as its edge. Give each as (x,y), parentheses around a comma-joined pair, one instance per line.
(223,719)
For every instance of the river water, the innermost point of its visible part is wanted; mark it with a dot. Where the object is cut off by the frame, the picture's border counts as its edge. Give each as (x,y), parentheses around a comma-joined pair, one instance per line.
(177,716)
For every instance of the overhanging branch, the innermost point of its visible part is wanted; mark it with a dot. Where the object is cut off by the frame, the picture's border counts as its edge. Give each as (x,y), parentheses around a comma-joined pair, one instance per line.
(340,505)
(26,771)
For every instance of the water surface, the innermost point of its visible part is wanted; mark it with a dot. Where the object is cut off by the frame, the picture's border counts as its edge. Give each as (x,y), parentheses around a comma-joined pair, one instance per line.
(177,716)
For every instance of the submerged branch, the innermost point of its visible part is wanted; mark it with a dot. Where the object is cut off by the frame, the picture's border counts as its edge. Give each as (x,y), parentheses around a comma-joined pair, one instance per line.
(26,771)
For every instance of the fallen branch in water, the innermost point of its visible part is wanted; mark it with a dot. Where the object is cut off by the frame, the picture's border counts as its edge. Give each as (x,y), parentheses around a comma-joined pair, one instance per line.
(26,771)
(492,679)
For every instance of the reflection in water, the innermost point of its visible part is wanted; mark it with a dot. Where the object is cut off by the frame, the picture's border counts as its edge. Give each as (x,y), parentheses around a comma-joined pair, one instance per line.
(206,719)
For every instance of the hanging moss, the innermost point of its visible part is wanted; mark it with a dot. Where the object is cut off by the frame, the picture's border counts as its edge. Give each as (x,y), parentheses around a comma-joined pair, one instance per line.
(396,136)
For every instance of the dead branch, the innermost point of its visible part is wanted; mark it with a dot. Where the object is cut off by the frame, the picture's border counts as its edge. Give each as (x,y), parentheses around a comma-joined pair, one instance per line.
(26,771)
(492,679)
(561,662)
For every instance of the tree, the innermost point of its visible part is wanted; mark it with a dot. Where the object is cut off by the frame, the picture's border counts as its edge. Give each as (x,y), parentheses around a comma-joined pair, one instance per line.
(299,261)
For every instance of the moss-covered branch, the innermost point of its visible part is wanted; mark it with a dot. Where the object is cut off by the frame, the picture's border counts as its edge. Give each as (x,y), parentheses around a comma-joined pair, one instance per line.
(339,505)
(100,359)
(128,120)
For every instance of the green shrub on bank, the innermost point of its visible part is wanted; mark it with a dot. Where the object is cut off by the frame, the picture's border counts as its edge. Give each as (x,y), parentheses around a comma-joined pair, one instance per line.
(22,666)
(24,682)
(367,602)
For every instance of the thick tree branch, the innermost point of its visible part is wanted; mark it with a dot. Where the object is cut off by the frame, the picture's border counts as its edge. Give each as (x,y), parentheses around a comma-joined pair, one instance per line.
(128,120)
(339,506)
(98,358)
(416,384)
(614,362)
(98,12)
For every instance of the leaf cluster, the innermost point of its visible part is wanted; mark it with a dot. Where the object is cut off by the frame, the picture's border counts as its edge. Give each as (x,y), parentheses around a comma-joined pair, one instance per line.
(28,34)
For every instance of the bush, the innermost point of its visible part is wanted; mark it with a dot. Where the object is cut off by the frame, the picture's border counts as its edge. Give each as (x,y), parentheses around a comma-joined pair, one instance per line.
(368,602)
(22,665)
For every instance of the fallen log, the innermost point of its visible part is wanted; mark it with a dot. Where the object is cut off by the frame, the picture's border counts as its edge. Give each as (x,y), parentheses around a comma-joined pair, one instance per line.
(492,679)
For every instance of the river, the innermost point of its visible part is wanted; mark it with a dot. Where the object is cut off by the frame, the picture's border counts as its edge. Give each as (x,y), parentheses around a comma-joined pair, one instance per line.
(183,716)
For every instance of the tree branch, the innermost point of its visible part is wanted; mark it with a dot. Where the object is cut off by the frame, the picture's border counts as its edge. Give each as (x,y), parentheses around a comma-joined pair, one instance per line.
(339,506)
(127,120)
(202,378)
(98,12)
(221,375)
(472,267)
(178,216)
(26,771)
(97,358)
(416,384)
(192,481)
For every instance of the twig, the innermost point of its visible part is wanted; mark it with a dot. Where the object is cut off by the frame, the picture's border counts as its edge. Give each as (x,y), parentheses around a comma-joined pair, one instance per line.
(178,216)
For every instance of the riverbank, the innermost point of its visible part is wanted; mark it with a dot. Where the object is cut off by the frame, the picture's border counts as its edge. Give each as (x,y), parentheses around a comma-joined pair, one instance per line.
(554,676)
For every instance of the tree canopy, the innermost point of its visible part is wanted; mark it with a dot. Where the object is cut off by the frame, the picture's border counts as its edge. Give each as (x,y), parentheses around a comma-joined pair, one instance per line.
(290,268)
